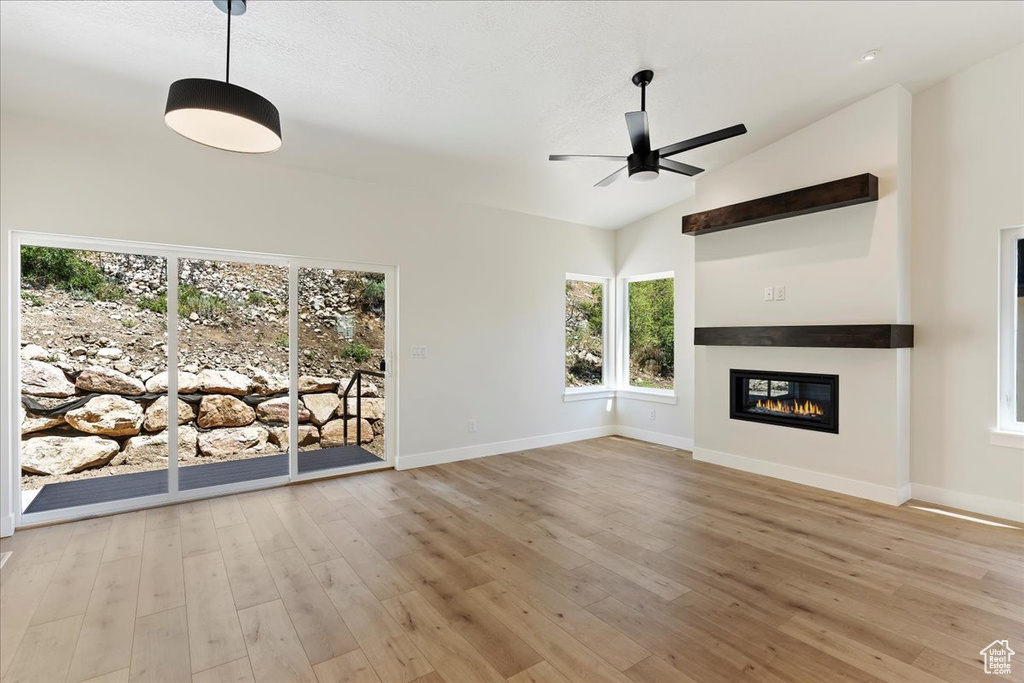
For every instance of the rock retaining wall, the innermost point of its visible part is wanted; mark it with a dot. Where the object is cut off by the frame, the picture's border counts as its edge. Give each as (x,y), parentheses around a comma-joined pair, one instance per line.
(100,416)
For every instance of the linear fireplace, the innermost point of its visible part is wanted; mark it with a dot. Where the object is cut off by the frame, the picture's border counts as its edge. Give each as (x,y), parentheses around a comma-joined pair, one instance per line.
(787,399)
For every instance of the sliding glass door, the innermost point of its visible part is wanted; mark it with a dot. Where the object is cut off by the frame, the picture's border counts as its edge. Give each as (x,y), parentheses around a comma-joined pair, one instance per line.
(341,357)
(279,373)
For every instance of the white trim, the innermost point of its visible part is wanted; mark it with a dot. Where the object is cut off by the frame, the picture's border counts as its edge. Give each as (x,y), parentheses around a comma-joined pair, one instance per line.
(408,462)
(830,482)
(586,393)
(171,272)
(1006,398)
(1005,439)
(984,505)
(652,395)
(680,442)
(6,526)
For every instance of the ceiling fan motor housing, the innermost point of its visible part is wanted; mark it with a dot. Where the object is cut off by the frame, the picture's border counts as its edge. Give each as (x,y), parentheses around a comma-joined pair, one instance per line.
(639,163)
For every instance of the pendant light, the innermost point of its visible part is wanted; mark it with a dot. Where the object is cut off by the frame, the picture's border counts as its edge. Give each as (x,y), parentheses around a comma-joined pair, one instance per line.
(222,114)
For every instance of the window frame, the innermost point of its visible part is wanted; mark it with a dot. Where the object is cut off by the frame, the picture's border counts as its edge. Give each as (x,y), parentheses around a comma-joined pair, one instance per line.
(624,388)
(606,388)
(1008,323)
(11,504)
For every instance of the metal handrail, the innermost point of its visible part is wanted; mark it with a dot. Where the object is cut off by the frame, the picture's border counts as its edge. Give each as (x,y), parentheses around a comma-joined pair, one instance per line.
(357,380)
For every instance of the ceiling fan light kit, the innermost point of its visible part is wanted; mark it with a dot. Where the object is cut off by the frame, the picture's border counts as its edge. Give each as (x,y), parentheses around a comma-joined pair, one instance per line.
(644,164)
(221,114)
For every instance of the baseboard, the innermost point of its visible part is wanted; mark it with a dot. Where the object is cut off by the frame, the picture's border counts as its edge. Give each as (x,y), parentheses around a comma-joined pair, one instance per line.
(798,475)
(993,507)
(408,462)
(6,526)
(655,437)
(904,493)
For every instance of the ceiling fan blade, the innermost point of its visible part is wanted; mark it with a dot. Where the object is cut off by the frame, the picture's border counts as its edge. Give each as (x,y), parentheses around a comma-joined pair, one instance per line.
(639,134)
(701,140)
(584,157)
(679,167)
(612,178)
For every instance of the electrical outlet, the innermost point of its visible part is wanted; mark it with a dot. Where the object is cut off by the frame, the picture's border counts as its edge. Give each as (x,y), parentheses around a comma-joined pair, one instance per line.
(769,293)
(780,293)
(652,414)
(472,425)
(419,352)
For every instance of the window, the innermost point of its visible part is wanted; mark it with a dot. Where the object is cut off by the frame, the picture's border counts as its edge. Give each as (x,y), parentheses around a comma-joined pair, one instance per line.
(279,373)
(586,323)
(649,353)
(1011,340)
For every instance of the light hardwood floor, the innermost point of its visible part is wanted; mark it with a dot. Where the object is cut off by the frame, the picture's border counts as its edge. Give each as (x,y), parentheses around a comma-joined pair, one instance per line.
(604,560)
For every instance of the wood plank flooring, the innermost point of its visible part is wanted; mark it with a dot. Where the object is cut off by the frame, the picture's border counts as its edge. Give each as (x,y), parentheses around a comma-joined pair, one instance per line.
(607,560)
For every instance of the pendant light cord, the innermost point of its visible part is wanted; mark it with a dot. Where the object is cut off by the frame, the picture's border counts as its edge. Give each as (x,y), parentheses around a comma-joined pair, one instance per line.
(227,67)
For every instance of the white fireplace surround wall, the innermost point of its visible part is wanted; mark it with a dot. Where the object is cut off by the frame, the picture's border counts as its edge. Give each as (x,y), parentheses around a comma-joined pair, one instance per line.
(847,265)
(843,266)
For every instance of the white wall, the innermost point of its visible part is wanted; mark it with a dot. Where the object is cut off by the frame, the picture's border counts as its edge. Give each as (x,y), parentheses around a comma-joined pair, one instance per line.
(482,288)
(968,156)
(844,266)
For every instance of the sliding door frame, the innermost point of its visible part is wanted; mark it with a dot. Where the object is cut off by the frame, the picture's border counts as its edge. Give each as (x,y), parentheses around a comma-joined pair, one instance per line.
(10,384)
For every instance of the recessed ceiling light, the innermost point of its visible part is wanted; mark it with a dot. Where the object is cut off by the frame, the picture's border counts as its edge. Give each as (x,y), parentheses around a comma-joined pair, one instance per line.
(869,55)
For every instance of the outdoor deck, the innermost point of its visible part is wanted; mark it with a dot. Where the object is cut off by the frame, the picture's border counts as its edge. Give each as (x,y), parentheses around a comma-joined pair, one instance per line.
(104,489)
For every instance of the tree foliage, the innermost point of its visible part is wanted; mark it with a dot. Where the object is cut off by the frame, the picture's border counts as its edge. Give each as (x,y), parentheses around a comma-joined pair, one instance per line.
(652,326)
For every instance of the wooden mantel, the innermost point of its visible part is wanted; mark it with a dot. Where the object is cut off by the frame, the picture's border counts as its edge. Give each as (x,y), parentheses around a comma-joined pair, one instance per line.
(834,194)
(820,336)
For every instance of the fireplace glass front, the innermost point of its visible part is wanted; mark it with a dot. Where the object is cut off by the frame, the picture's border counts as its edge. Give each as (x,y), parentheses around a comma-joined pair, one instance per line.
(787,399)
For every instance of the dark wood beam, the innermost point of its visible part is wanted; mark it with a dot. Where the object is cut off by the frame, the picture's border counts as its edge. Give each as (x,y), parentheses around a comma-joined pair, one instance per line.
(835,194)
(821,336)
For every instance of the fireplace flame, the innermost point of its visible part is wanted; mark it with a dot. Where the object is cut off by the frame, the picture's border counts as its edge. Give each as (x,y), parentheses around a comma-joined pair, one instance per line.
(807,408)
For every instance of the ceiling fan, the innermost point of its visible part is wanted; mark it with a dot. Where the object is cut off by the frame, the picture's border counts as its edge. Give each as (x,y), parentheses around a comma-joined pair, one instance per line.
(644,163)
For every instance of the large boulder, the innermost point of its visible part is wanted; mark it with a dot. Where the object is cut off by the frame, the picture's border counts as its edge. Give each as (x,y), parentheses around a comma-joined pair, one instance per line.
(309,384)
(109,381)
(153,447)
(224,382)
(65,454)
(308,436)
(218,410)
(36,423)
(333,433)
(372,409)
(107,415)
(266,384)
(156,414)
(34,352)
(233,440)
(366,388)
(276,410)
(321,406)
(42,379)
(188,383)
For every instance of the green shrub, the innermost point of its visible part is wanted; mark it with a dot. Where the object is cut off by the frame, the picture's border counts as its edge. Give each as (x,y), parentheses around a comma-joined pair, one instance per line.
(157,304)
(32,299)
(68,270)
(192,300)
(651,324)
(281,341)
(258,298)
(360,353)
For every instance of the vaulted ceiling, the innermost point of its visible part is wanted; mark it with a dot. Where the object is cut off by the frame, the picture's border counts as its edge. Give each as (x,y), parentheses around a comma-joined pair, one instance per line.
(466,100)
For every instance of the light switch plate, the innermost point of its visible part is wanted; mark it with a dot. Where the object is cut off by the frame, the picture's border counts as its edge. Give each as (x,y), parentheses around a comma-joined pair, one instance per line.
(419,352)
(769,293)
(780,293)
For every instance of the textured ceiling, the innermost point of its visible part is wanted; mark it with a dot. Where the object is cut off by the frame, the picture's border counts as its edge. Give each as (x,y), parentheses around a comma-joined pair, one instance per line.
(466,100)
